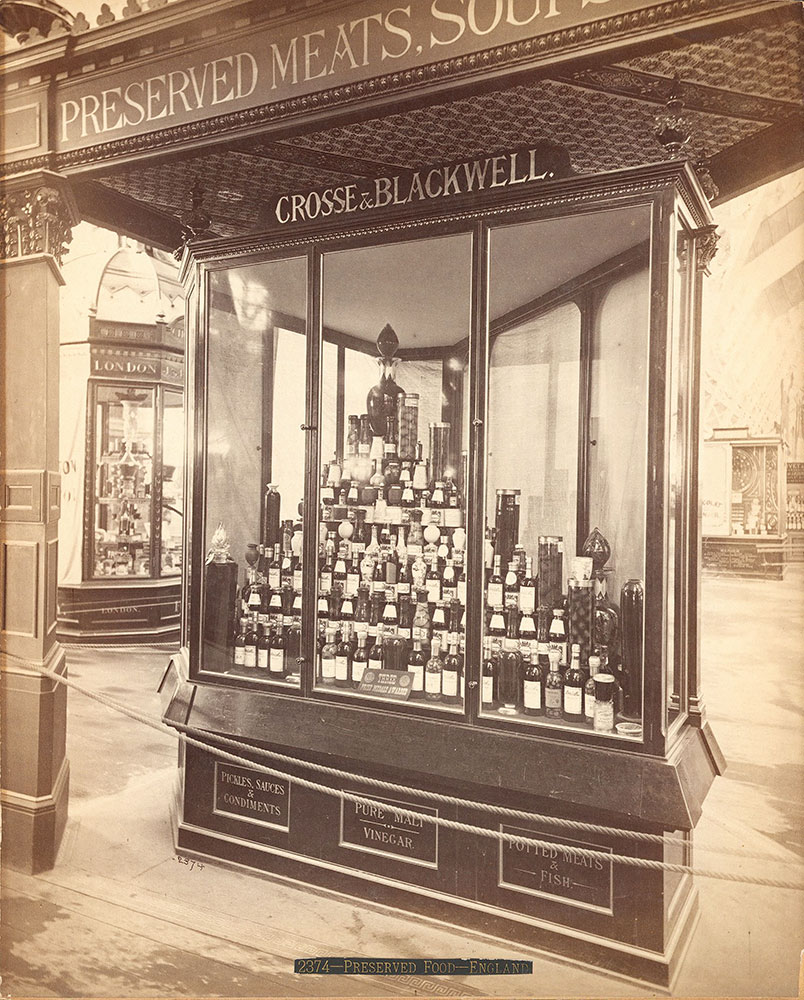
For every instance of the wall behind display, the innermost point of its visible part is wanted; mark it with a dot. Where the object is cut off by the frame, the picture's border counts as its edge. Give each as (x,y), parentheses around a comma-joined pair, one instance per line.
(753,316)
(535,366)
(618,461)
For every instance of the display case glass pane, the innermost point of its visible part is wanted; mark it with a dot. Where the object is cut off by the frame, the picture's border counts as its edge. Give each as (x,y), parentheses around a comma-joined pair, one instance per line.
(124,450)
(391,581)
(255,453)
(566,471)
(172,480)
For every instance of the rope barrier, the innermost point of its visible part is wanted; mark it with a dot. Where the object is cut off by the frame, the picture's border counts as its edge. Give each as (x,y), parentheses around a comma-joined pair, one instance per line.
(412,814)
(571,824)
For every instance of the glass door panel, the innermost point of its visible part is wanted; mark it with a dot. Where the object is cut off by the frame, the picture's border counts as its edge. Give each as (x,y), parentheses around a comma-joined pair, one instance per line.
(391,581)
(172,482)
(255,471)
(566,468)
(124,450)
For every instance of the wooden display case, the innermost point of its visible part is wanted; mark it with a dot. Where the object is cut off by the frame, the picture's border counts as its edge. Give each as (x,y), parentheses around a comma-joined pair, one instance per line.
(744,505)
(553,325)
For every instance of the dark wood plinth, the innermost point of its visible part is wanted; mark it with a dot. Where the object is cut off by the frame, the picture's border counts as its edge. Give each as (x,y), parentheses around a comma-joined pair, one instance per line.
(120,611)
(637,926)
(630,921)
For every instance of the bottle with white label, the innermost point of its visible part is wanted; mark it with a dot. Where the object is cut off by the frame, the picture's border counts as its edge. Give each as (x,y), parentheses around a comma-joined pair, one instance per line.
(452,673)
(490,669)
(240,644)
(264,645)
(573,687)
(276,662)
(532,681)
(343,657)
(557,638)
(416,664)
(553,688)
(250,647)
(527,590)
(327,658)
(589,691)
(494,591)
(433,671)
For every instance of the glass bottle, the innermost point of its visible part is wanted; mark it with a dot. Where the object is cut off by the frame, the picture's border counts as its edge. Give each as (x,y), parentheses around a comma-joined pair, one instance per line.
(293,647)
(439,624)
(270,515)
(509,678)
(375,653)
(403,577)
(603,721)
(532,701)
(416,663)
(489,674)
(421,619)
(496,627)
(322,615)
(433,671)
(449,581)
(527,590)
(554,688)
(573,687)
(343,657)
(359,659)
(419,469)
(264,646)
(327,658)
(494,590)
(511,587)
(240,644)
(433,583)
(589,690)
(390,618)
(632,597)
(276,663)
(557,638)
(250,645)
(452,674)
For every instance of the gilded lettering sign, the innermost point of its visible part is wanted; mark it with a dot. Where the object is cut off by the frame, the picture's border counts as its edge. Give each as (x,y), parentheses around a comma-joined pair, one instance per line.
(300,56)
(386,826)
(251,795)
(557,870)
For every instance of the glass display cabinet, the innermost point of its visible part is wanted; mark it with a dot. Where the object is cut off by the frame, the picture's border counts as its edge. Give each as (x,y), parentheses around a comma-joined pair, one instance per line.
(444,534)
(137,486)
(745,522)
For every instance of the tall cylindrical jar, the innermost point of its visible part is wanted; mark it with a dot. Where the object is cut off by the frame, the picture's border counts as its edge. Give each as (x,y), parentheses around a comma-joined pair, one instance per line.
(632,616)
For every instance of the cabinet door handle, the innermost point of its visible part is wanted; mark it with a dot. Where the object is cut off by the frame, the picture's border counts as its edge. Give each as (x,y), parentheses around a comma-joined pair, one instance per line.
(300,660)
(306,427)
(477,422)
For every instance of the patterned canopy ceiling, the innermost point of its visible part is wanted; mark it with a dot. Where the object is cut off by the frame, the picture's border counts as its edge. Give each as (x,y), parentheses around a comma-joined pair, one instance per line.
(734,86)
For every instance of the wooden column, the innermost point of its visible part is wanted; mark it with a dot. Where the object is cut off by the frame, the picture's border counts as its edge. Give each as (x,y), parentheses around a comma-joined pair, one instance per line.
(37,214)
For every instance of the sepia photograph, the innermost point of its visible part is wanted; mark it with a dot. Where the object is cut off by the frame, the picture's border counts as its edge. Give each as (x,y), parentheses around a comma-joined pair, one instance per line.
(401,498)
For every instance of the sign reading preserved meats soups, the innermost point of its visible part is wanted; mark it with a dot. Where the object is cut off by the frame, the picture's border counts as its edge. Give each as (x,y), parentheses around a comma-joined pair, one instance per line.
(376,827)
(294,56)
(251,795)
(559,872)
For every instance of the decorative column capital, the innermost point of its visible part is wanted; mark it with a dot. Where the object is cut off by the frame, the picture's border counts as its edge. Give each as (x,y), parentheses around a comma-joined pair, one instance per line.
(37,214)
(706,241)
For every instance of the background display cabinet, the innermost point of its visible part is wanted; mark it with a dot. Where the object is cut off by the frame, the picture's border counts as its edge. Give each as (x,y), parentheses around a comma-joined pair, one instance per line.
(745,519)
(123,453)
(444,534)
